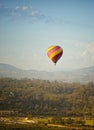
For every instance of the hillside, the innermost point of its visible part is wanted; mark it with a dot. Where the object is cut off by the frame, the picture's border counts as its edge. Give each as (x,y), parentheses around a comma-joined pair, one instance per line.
(46,98)
(80,75)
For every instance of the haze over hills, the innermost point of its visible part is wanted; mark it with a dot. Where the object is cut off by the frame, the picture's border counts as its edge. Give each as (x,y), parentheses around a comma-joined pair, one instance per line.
(79,75)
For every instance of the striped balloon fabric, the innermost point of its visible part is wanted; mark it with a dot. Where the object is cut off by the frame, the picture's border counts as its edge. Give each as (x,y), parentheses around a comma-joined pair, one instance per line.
(54,53)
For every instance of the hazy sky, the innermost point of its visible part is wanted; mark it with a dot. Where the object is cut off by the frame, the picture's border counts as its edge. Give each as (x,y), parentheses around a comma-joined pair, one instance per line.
(29,27)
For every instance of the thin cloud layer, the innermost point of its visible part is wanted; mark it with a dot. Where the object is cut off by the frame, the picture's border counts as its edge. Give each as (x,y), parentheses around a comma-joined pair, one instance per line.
(23,12)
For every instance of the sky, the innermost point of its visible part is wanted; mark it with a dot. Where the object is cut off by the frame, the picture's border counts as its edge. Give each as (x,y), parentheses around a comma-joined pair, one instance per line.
(29,27)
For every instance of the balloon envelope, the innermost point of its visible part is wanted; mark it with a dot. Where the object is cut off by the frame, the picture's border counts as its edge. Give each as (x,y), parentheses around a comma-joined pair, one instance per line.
(54,53)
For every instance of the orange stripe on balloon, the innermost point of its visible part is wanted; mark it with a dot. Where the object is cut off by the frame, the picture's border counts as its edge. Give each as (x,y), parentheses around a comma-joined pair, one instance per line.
(55,53)
(53,50)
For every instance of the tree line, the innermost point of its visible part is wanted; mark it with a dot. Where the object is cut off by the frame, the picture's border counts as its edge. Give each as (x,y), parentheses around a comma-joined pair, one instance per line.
(46,98)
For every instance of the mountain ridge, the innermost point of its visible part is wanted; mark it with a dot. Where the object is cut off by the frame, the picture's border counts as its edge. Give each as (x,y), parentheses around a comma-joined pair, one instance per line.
(79,75)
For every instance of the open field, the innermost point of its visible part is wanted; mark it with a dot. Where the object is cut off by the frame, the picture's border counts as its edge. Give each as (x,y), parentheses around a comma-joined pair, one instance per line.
(45,123)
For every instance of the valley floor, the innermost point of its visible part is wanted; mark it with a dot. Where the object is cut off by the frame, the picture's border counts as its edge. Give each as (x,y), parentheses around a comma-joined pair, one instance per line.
(45,123)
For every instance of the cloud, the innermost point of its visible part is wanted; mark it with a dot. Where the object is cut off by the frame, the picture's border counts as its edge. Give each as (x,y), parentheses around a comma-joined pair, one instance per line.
(24,12)
(89,47)
(34,13)
(87,55)
(22,8)
(78,54)
(17,8)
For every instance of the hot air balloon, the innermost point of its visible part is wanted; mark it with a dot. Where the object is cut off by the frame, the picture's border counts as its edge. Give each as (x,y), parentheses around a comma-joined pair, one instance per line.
(54,53)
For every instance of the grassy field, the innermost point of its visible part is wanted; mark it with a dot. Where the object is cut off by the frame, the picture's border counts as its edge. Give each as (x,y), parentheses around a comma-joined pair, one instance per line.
(45,123)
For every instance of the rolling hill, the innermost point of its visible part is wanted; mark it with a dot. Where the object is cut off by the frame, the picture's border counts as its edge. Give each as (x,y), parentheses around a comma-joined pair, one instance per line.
(79,75)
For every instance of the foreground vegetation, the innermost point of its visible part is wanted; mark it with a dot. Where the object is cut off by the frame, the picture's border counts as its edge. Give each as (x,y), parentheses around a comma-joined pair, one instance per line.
(47,123)
(44,98)
(45,105)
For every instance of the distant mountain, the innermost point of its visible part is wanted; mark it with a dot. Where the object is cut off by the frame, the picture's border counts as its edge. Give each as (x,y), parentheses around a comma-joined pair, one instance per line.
(79,75)
(7,70)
